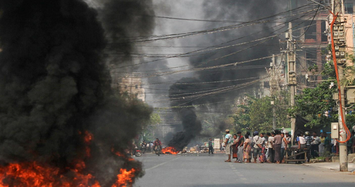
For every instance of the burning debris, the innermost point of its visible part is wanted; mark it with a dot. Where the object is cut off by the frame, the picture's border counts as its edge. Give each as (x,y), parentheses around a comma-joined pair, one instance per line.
(170,150)
(60,122)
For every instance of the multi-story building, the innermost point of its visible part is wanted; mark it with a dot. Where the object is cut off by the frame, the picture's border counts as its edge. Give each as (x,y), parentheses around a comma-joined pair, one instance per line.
(132,86)
(311,43)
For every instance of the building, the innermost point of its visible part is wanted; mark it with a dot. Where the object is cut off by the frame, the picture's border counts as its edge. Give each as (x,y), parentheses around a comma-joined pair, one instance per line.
(349,32)
(309,33)
(132,86)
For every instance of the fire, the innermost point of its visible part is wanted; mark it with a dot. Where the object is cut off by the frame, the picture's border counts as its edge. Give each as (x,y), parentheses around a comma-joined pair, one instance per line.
(87,139)
(124,177)
(35,174)
(169,150)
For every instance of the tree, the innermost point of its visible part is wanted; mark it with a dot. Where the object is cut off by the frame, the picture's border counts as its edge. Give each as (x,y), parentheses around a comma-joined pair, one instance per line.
(148,131)
(317,104)
(256,114)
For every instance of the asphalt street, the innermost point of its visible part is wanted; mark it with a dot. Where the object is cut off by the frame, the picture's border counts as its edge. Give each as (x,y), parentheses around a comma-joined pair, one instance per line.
(207,171)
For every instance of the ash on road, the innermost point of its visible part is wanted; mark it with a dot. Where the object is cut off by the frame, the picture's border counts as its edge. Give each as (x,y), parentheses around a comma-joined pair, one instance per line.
(207,171)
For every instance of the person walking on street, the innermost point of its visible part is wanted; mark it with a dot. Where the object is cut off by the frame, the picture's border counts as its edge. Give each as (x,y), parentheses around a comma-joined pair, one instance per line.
(277,146)
(246,149)
(210,146)
(228,140)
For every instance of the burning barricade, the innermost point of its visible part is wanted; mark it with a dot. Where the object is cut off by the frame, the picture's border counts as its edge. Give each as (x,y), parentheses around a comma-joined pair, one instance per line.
(36,174)
(170,150)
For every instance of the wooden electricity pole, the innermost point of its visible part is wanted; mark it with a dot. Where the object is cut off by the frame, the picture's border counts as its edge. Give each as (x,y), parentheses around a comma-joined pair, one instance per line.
(292,81)
(339,41)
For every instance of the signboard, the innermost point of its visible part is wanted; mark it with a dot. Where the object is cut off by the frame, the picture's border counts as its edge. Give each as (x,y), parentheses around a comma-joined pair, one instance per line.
(216,143)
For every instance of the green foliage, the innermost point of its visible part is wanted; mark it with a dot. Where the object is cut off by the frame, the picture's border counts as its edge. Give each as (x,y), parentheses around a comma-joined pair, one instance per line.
(313,68)
(329,71)
(261,115)
(154,119)
(257,114)
(149,130)
(313,103)
(350,119)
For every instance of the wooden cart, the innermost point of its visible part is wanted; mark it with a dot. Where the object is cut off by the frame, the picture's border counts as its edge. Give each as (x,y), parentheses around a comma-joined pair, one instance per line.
(297,155)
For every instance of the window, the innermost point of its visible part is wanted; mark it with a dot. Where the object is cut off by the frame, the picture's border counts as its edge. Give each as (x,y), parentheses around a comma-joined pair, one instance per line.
(348,8)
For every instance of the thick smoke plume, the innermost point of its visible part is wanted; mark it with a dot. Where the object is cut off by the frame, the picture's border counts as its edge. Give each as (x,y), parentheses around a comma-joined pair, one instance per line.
(55,87)
(239,10)
(191,125)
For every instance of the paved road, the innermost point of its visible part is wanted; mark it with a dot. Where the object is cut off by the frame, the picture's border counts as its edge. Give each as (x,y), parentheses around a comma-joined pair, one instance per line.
(208,171)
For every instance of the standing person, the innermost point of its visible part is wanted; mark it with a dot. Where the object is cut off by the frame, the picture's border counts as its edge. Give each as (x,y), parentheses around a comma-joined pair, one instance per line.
(271,151)
(327,144)
(157,146)
(151,145)
(314,145)
(283,147)
(302,144)
(210,146)
(240,145)
(263,149)
(246,149)
(321,146)
(288,139)
(277,146)
(227,143)
(258,142)
(234,147)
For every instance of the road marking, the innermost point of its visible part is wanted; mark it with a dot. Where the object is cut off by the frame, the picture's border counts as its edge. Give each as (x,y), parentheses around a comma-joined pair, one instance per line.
(162,164)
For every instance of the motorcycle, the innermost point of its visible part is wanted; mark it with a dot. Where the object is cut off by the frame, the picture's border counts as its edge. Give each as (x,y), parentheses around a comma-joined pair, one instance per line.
(137,152)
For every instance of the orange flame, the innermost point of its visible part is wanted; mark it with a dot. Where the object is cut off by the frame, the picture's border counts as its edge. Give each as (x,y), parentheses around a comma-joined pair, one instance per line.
(124,177)
(170,150)
(87,139)
(35,175)
(32,174)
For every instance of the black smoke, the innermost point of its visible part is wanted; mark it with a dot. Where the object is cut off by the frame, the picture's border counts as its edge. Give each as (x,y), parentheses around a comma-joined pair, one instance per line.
(191,125)
(203,94)
(55,85)
(125,23)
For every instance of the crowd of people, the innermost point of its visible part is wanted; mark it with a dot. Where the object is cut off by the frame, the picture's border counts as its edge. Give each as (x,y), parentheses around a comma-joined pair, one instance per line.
(274,146)
(263,147)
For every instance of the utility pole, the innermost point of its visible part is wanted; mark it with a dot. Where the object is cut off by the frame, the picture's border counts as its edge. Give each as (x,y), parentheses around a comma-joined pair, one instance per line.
(339,42)
(292,81)
(273,89)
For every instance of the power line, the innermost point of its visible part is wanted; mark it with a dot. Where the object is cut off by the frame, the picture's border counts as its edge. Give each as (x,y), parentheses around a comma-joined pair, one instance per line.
(199,50)
(208,68)
(218,29)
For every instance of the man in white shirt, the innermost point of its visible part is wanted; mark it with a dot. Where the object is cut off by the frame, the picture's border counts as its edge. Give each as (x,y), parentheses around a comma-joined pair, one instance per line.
(270,146)
(228,141)
(258,144)
(314,145)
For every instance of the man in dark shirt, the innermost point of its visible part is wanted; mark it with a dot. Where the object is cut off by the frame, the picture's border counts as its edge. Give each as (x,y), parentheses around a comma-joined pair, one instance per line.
(210,146)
